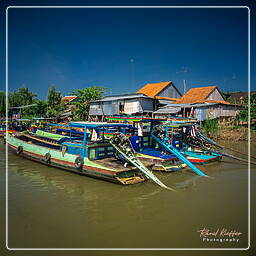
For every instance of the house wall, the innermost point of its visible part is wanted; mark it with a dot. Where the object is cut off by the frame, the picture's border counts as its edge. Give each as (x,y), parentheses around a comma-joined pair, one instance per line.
(216,111)
(200,113)
(95,109)
(227,110)
(169,92)
(131,106)
(147,105)
(110,108)
(215,95)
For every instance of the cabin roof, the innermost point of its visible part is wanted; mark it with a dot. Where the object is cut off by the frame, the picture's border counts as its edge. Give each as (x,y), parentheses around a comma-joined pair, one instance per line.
(98,124)
(135,119)
(23,120)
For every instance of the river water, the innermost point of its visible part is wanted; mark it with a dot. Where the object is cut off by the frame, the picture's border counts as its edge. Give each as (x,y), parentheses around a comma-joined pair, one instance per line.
(51,208)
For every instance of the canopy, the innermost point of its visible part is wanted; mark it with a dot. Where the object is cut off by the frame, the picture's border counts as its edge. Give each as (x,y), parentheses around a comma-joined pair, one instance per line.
(98,125)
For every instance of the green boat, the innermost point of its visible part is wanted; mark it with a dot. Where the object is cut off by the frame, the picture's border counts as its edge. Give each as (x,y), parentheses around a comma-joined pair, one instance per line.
(83,156)
(145,148)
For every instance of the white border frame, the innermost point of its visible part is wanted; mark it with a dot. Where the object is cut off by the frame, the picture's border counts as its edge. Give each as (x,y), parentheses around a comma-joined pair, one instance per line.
(134,249)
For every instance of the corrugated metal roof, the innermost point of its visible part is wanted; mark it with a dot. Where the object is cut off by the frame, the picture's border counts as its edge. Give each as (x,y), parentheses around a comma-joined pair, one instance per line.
(124,96)
(165,98)
(190,105)
(169,110)
(25,106)
(164,102)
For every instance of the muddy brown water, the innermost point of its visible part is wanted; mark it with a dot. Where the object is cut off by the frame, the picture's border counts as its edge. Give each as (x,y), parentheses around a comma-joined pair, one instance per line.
(52,208)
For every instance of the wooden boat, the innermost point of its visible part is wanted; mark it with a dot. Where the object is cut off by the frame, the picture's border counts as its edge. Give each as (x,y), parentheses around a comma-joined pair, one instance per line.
(201,157)
(86,157)
(146,151)
(3,129)
(180,134)
(175,130)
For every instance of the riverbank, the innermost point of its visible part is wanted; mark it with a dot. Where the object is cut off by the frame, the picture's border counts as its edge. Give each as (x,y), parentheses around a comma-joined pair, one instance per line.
(228,134)
(229,130)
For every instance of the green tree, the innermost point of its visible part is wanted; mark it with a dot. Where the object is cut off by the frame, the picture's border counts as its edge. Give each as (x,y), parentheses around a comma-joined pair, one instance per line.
(14,99)
(23,96)
(54,104)
(244,113)
(226,95)
(84,96)
(2,104)
(26,95)
(38,110)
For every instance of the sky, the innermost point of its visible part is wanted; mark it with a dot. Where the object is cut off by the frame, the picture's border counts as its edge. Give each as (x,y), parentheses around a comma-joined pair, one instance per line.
(123,49)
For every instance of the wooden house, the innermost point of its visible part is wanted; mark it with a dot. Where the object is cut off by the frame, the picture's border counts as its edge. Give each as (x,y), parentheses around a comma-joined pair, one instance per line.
(133,104)
(164,92)
(202,103)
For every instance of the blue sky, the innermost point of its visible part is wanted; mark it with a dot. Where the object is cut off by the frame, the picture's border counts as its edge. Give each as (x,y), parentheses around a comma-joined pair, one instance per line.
(123,49)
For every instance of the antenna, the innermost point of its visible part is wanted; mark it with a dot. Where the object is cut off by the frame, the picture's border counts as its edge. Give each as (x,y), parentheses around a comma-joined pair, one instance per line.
(132,72)
(184,86)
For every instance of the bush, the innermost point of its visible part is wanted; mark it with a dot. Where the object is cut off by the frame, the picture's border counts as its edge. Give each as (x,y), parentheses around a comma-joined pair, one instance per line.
(210,126)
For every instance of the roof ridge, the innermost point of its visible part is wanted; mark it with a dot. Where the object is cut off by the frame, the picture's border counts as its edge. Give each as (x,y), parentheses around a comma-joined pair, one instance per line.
(161,82)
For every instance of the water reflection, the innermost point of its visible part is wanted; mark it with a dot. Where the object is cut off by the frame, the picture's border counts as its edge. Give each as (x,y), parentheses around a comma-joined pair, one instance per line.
(71,210)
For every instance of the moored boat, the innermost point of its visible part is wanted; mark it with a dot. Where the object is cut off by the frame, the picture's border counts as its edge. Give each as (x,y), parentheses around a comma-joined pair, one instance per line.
(145,148)
(87,157)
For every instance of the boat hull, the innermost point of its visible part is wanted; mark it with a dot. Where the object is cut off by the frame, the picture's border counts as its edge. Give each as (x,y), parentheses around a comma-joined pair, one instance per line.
(198,158)
(67,162)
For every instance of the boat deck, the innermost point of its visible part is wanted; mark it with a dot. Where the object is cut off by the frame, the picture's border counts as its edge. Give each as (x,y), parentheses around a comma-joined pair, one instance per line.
(117,165)
(157,153)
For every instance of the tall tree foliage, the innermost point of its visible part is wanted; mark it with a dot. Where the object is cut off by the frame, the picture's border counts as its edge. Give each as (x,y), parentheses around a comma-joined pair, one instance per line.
(54,104)
(244,113)
(84,96)
(38,110)
(2,104)
(22,96)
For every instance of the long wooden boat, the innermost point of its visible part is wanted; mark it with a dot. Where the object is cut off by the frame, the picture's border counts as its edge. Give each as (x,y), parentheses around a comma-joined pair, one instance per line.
(91,158)
(160,159)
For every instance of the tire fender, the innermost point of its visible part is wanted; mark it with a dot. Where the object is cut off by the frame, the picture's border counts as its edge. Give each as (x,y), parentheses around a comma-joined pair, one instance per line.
(47,157)
(19,150)
(79,162)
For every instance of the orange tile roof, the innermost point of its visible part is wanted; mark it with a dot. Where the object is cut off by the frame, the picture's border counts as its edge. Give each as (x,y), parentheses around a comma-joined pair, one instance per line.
(152,90)
(68,98)
(197,94)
